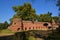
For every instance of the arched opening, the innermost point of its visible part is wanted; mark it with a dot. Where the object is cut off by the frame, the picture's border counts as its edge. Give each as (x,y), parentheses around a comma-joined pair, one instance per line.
(33,27)
(18,29)
(36,27)
(14,23)
(25,28)
(45,24)
(39,27)
(49,27)
(29,28)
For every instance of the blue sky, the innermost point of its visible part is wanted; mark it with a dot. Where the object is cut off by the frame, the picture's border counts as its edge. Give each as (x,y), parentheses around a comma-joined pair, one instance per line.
(41,6)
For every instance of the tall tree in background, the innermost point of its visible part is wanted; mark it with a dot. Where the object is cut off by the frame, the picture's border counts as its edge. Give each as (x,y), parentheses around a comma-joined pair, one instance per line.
(4,25)
(44,17)
(26,12)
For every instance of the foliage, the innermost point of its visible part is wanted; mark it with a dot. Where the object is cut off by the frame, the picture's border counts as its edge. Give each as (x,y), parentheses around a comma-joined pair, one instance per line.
(45,17)
(4,25)
(31,38)
(56,18)
(25,12)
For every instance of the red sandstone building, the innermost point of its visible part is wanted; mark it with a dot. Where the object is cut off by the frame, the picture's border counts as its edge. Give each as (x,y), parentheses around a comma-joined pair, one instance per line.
(29,25)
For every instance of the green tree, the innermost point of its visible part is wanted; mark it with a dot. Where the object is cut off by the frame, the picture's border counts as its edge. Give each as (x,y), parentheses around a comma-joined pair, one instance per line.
(45,17)
(4,25)
(56,18)
(1,26)
(26,12)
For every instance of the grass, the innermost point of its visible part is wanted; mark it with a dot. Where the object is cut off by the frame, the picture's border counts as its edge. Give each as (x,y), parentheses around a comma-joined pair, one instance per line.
(5,31)
(31,38)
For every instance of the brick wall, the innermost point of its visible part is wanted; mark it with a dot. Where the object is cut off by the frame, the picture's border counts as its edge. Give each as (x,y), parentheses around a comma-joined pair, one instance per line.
(27,25)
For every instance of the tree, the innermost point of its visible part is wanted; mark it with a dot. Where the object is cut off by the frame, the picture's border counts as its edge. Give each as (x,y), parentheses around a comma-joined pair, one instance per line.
(4,25)
(44,17)
(56,18)
(1,26)
(26,12)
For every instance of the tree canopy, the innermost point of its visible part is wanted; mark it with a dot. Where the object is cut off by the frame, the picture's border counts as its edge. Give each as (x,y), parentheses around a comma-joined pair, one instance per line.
(25,12)
(45,17)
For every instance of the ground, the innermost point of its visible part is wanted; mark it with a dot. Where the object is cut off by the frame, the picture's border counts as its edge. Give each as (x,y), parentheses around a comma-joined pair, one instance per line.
(6,32)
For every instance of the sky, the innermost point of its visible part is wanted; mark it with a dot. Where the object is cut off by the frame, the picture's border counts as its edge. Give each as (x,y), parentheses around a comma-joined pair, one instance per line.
(41,7)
